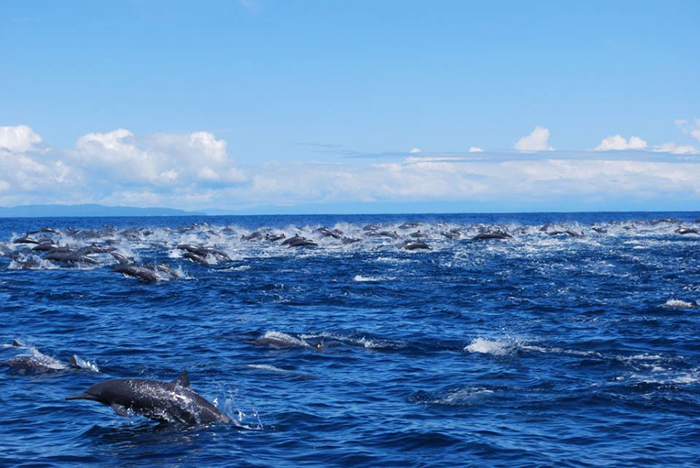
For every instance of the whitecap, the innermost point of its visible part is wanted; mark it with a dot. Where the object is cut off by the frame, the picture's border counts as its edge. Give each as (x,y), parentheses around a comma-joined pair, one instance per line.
(266,367)
(371,279)
(679,304)
(494,347)
(77,361)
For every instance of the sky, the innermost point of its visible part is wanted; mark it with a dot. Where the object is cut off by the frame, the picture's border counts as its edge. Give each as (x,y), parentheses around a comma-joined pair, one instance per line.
(359,106)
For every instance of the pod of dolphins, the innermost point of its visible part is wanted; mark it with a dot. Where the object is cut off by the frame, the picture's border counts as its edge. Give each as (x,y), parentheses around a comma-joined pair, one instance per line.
(51,247)
(176,401)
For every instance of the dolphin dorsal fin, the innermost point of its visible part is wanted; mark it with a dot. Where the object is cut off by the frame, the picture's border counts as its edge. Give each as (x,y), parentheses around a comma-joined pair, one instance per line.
(183,379)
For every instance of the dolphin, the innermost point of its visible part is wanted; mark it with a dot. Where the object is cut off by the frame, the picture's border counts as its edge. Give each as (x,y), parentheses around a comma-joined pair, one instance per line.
(393,235)
(452,234)
(274,237)
(202,252)
(257,235)
(418,235)
(173,402)
(147,273)
(143,273)
(325,232)
(45,247)
(25,240)
(69,256)
(569,232)
(415,245)
(492,235)
(32,365)
(298,241)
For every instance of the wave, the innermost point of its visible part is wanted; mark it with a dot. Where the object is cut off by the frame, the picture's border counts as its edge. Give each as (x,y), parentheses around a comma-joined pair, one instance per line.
(372,279)
(462,396)
(680,304)
(494,347)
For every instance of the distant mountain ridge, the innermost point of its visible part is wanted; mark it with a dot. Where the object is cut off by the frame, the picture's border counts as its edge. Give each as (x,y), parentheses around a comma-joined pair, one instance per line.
(88,210)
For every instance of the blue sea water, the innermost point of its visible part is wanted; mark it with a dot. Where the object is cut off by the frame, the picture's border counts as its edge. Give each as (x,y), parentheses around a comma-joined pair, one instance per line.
(544,349)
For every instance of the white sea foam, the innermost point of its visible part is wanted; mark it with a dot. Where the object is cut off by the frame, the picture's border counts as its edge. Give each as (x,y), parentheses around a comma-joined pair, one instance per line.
(371,279)
(275,338)
(494,347)
(362,341)
(84,364)
(44,359)
(458,397)
(679,304)
(266,367)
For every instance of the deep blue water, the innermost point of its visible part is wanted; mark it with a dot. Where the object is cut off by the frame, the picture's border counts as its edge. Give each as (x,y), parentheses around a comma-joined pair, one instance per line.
(540,350)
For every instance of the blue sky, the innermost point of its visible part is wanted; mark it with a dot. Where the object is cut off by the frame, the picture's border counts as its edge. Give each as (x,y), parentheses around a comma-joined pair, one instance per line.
(335,95)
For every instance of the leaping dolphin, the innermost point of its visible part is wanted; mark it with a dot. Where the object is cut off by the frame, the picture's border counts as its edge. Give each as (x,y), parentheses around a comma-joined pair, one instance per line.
(161,401)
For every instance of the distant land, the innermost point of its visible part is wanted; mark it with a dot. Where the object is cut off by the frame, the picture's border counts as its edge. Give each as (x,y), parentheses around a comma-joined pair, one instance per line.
(51,211)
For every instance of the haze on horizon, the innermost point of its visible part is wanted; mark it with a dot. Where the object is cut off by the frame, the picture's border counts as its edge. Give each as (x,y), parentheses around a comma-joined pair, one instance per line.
(351,106)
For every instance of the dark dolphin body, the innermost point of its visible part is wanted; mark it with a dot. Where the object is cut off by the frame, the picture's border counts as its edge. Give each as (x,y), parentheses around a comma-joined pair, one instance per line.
(30,365)
(452,234)
(298,241)
(568,232)
(64,255)
(392,235)
(147,273)
(325,232)
(274,237)
(415,245)
(198,253)
(491,235)
(162,401)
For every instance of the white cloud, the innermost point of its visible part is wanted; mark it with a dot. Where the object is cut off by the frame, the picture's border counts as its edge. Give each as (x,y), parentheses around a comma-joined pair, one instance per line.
(415,150)
(691,128)
(18,139)
(536,141)
(29,173)
(475,149)
(161,159)
(512,181)
(617,142)
(195,171)
(673,148)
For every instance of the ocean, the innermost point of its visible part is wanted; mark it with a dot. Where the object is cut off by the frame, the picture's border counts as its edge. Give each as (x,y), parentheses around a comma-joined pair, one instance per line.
(528,340)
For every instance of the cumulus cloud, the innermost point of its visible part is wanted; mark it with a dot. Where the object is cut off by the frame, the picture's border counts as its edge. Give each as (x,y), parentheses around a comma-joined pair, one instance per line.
(160,159)
(475,149)
(18,139)
(28,172)
(415,150)
(536,141)
(617,142)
